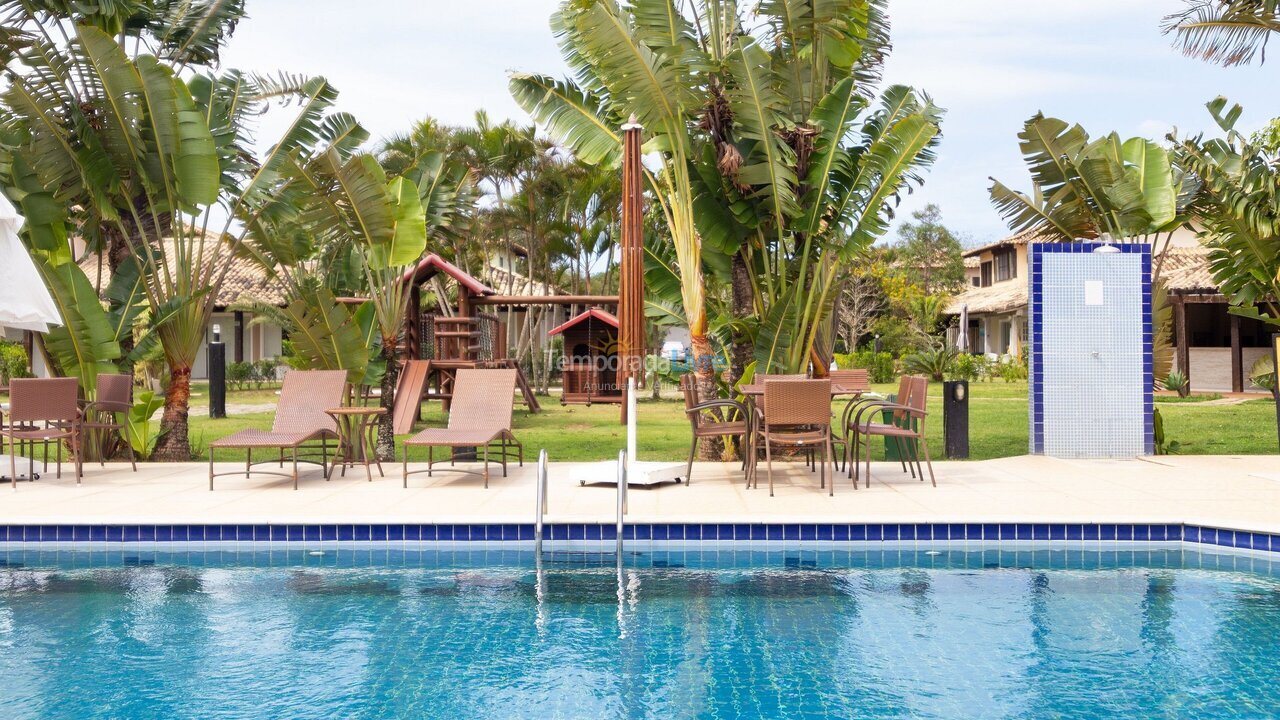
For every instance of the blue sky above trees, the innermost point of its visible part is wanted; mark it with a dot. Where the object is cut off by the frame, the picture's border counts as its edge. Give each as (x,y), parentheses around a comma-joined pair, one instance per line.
(991,63)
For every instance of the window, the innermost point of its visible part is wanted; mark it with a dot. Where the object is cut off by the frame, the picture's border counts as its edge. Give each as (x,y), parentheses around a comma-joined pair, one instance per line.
(986,274)
(977,281)
(1006,264)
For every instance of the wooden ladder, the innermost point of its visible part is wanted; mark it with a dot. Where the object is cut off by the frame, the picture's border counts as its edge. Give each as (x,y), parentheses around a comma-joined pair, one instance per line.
(530,399)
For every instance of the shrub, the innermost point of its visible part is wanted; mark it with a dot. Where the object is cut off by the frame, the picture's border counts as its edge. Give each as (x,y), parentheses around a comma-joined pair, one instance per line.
(934,362)
(13,362)
(880,366)
(1010,370)
(1164,446)
(266,370)
(239,374)
(968,367)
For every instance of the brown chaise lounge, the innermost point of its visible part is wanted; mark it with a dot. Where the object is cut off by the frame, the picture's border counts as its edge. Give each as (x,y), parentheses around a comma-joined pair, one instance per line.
(300,421)
(479,416)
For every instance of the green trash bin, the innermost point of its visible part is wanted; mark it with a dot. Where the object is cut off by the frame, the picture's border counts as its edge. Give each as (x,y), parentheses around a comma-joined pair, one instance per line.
(891,444)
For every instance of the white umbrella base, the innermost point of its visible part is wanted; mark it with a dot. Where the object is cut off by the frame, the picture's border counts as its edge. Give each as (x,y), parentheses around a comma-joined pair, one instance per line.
(23,464)
(643,473)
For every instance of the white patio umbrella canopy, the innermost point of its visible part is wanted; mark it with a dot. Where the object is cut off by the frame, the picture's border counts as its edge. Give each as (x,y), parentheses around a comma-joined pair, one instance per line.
(962,337)
(25,302)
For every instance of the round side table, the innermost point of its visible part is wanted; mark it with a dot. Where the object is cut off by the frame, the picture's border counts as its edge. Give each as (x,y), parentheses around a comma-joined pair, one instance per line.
(357,436)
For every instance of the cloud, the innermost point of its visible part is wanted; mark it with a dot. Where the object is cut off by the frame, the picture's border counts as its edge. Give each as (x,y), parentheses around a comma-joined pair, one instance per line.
(991,63)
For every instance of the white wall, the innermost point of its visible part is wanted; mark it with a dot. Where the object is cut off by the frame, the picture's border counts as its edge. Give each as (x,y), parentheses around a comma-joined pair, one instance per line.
(1211,367)
(261,342)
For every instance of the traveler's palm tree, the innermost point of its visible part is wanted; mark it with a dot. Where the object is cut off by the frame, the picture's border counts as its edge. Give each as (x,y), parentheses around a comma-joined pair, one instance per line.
(1226,32)
(121,150)
(764,145)
(1085,188)
(339,223)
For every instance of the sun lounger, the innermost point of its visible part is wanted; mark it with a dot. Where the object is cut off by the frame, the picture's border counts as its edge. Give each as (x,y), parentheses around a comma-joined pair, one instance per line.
(300,422)
(479,417)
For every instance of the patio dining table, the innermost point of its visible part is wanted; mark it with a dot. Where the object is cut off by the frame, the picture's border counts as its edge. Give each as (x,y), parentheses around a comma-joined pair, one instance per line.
(754,393)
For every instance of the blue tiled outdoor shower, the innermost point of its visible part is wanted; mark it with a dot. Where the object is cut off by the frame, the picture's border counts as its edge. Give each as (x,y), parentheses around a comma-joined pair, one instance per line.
(1091,350)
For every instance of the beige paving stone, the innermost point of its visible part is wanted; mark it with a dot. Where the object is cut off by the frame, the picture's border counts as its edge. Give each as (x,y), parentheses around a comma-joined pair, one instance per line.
(1227,491)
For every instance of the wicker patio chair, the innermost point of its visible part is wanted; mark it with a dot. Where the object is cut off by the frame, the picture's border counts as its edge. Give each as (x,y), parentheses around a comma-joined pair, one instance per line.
(300,422)
(907,428)
(857,380)
(763,378)
(479,416)
(797,414)
(114,395)
(848,431)
(44,411)
(705,422)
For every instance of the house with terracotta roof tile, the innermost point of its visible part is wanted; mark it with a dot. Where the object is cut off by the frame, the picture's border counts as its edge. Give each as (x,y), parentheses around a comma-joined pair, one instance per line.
(1213,347)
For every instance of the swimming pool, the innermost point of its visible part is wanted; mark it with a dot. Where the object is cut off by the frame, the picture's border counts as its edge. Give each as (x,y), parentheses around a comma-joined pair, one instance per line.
(947,633)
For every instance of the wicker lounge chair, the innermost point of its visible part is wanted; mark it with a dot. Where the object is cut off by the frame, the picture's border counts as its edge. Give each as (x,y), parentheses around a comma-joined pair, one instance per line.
(907,428)
(479,416)
(797,414)
(114,395)
(42,410)
(300,422)
(707,425)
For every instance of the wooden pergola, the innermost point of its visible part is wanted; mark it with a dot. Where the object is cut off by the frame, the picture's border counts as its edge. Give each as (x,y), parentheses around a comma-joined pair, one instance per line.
(1182,338)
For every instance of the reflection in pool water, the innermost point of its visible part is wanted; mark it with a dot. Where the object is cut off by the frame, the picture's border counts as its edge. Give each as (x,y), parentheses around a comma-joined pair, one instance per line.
(1162,633)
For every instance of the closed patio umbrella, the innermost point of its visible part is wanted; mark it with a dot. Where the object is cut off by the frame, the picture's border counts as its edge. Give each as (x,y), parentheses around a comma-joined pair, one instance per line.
(25,302)
(962,337)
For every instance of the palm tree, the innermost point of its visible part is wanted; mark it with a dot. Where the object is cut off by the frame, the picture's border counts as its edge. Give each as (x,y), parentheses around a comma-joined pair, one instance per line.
(768,154)
(1238,213)
(1227,32)
(119,148)
(1124,189)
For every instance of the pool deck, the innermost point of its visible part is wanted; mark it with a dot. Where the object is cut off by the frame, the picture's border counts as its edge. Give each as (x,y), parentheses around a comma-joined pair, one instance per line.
(1237,492)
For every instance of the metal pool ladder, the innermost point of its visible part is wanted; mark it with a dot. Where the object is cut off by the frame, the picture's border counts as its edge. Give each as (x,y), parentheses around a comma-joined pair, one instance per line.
(541,508)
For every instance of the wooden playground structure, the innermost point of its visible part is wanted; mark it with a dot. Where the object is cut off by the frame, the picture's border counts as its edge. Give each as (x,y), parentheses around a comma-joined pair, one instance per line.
(436,346)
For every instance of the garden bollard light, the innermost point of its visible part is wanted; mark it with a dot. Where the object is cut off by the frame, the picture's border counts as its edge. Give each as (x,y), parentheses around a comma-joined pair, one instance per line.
(955,419)
(217,375)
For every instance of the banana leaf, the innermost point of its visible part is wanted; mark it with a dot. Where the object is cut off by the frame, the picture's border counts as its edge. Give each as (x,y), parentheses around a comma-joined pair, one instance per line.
(85,345)
(145,405)
(325,335)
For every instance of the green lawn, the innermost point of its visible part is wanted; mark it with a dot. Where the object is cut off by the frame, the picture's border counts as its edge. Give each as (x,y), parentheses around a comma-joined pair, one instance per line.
(997,425)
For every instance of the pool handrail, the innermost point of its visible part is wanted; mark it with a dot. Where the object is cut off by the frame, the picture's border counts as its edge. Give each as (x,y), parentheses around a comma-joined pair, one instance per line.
(622,494)
(541,507)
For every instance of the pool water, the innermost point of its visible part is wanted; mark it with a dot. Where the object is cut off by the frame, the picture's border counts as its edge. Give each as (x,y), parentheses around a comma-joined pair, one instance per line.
(1159,633)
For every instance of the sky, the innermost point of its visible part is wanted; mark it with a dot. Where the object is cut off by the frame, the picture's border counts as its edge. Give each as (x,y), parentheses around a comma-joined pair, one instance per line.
(991,63)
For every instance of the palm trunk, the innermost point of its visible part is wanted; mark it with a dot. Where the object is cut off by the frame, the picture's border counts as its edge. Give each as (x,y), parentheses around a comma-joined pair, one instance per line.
(117,253)
(741,353)
(386,428)
(174,444)
(704,375)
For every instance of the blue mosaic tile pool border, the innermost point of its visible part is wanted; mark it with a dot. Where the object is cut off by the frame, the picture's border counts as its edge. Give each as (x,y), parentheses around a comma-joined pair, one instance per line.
(1036,312)
(718,532)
